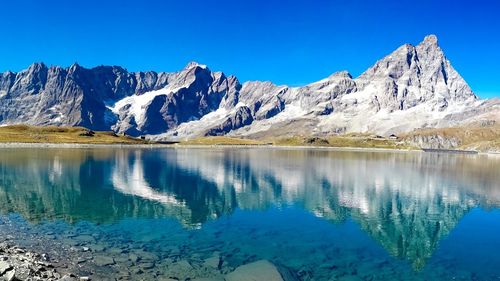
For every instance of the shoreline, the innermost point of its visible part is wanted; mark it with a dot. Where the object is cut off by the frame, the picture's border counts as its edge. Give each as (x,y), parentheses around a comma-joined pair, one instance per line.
(35,259)
(197,146)
(6,145)
(19,263)
(303,147)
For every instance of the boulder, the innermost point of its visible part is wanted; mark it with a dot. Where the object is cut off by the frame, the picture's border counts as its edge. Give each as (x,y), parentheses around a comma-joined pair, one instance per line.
(103,260)
(10,276)
(181,270)
(256,271)
(4,267)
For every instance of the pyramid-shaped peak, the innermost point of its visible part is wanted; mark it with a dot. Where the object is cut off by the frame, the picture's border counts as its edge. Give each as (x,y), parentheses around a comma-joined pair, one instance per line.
(194,64)
(430,40)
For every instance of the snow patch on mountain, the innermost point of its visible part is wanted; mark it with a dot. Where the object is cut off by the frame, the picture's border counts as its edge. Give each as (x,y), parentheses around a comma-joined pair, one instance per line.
(198,128)
(136,105)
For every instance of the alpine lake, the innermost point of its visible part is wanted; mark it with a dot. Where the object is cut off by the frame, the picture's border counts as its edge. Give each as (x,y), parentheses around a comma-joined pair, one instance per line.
(225,213)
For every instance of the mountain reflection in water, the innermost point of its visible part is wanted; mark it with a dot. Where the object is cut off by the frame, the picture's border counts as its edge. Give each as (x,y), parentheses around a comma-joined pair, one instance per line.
(407,202)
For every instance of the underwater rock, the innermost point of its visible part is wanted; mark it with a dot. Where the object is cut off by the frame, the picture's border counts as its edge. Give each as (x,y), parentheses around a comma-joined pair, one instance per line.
(213,262)
(4,267)
(10,275)
(181,270)
(103,260)
(256,271)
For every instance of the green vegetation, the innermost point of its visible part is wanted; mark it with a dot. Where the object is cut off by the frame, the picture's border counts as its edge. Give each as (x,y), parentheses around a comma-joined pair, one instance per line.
(221,141)
(481,138)
(53,134)
(348,140)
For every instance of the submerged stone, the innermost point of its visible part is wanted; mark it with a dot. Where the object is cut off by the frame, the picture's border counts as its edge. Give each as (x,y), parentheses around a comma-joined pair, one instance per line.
(10,276)
(181,270)
(147,265)
(103,260)
(212,262)
(4,267)
(256,271)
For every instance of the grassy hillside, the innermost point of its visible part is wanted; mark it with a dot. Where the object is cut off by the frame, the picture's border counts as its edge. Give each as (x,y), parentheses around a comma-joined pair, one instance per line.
(221,141)
(361,141)
(52,134)
(474,137)
(481,138)
(348,140)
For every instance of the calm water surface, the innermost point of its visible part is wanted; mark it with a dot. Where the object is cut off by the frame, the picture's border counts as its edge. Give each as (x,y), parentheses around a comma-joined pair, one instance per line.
(316,214)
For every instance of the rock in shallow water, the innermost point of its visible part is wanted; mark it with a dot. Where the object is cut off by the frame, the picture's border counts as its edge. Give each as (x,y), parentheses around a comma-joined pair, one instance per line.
(256,271)
(103,260)
(4,266)
(181,270)
(10,276)
(213,262)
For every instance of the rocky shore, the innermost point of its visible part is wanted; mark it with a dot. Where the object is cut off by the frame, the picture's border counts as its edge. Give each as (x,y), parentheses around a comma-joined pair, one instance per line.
(39,253)
(17,263)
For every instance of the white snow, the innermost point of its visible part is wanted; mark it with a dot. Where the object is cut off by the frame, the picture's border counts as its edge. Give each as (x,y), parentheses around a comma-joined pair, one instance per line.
(138,103)
(57,110)
(361,96)
(193,128)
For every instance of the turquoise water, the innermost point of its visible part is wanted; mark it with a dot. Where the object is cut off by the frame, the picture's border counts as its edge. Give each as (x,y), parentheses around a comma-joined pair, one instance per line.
(317,214)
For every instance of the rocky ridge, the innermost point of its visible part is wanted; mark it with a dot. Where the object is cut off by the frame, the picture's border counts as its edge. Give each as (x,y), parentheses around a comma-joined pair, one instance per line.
(413,87)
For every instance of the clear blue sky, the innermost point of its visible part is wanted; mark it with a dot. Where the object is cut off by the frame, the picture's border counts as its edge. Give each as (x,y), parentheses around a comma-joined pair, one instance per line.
(287,42)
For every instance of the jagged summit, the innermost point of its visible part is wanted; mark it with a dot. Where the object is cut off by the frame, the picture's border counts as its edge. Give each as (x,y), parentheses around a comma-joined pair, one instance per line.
(413,87)
(341,74)
(194,64)
(430,40)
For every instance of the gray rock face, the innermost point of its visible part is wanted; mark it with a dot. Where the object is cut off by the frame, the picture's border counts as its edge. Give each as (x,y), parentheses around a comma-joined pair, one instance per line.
(77,96)
(434,141)
(413,87)
(412,75)
(242,117)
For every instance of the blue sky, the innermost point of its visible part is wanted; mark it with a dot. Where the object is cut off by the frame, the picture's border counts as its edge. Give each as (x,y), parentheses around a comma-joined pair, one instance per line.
(287,42)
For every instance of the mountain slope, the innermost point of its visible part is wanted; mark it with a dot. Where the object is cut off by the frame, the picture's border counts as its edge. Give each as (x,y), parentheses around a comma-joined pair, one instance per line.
(413,87)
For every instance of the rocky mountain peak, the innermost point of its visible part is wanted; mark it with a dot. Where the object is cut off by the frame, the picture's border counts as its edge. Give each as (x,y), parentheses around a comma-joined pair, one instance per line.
(74,68)
(194,64)
(430,40)
(37,66)
(341,74)
(429,51)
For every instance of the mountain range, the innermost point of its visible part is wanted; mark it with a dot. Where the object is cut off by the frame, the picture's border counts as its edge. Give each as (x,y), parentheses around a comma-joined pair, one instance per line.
(413,87)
